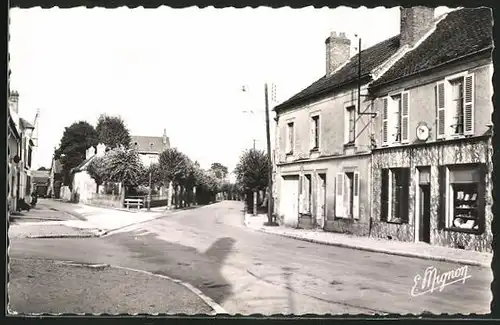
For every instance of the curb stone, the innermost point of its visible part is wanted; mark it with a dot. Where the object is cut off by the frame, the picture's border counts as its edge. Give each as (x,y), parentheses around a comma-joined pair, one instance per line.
(377,250)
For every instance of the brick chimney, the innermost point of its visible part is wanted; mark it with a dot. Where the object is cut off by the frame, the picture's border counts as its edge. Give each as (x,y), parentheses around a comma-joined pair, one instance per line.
(14,101)
(338,51)
(414,23)
(166,141)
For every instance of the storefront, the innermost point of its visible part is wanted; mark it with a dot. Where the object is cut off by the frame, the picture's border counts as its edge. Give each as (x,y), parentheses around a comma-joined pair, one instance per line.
(439,193)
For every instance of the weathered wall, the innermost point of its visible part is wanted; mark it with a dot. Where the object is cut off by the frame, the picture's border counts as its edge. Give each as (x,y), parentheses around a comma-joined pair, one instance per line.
(433,155)
(331,167)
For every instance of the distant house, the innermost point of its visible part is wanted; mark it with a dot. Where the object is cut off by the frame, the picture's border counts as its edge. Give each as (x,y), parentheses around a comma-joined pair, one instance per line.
(84,185)
(40,181)
(149,148)
(14,148)
(55,179)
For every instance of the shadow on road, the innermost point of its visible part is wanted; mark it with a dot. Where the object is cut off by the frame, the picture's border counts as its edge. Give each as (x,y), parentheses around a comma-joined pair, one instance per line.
(201,269)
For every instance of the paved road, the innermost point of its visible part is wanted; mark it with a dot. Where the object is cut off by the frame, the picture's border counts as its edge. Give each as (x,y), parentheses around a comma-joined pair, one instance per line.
(252,272)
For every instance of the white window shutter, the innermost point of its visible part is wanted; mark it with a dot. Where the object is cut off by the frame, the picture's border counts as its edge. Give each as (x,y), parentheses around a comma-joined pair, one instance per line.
(440,110)
(339,195)
(405,117)
(469,105)
(311,133)
(355,204)
(449,199)
(385,120)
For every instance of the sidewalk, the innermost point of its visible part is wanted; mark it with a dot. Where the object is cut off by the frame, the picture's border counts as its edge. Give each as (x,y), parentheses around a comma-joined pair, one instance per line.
(47,286)
(418,250)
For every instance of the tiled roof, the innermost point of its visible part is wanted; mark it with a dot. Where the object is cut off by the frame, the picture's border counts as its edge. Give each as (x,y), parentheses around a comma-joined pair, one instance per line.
(370,59)
(145,144)
(461,33)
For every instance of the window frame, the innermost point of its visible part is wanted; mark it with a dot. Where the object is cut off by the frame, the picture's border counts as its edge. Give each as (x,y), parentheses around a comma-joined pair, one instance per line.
(395,131)
(449,210)
(290,137)
(315,131)
(350,128)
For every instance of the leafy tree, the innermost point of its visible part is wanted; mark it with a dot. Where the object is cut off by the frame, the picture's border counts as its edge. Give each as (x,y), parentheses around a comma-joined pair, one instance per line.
(252,170)
(97,170)
(76,139)
(173,166)
(123,165)
(220,171)
(112,131)
(156,178)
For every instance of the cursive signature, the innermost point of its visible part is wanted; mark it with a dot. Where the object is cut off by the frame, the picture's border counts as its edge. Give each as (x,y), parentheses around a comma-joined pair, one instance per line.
(432,280)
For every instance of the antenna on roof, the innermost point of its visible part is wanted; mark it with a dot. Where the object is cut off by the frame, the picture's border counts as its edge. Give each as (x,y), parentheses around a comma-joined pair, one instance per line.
(372,114)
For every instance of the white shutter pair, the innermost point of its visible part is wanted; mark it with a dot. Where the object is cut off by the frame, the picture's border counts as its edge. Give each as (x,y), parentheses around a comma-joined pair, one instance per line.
(443,120)
(340,181)
(389,123)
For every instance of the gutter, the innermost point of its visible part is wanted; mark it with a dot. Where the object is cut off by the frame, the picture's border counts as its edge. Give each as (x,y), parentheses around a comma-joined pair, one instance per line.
(431,68)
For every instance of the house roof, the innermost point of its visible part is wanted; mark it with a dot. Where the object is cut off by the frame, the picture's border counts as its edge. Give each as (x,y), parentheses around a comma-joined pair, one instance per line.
(370,59)
(25,124)
(82,165)
(145,144)
(461,33)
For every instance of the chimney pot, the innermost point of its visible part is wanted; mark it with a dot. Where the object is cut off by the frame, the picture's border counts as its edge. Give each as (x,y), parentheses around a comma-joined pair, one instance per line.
(414,23)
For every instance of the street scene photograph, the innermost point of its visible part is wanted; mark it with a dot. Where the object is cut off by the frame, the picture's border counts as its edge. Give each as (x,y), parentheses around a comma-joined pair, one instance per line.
(250,161)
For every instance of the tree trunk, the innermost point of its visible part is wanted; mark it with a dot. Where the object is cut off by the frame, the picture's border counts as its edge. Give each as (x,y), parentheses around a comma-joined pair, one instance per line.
(255,203)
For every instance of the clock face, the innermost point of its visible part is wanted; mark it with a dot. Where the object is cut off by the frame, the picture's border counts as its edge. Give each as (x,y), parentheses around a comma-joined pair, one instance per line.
(422,132)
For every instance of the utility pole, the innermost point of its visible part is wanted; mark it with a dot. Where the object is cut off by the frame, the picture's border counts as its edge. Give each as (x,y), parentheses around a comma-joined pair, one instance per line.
(149,192)
(270,169)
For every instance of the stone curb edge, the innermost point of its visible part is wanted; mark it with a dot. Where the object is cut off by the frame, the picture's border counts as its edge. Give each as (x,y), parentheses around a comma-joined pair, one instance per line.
(384,251)
(217,309)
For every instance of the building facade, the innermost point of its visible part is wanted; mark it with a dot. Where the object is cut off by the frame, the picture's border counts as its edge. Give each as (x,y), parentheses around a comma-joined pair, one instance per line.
(431,171)
(149,148)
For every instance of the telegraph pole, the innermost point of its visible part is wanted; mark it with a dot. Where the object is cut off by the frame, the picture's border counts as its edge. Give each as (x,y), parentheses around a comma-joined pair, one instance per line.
(270,169)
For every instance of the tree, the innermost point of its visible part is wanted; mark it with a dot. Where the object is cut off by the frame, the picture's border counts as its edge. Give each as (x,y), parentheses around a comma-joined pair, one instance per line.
(252,173)
(42,169)
(220,171)
(123,166)
(111,131)
(174,167)
(76,139)
(252,170)
(97,170)
(156,178)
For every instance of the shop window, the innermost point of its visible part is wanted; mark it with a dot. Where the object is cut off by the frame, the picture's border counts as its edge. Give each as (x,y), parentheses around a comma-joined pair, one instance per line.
(395,195)
(462,194)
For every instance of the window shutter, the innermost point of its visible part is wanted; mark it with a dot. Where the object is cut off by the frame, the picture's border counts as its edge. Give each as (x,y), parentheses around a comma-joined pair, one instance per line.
(469,105)
(311,133)
(405,117)
(339,195)
(441,110)
(384,208)
(443,189)
(355,204)
(385,121)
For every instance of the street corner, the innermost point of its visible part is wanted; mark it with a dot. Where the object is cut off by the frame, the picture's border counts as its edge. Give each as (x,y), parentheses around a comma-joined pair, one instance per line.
(41,230)
(71,287)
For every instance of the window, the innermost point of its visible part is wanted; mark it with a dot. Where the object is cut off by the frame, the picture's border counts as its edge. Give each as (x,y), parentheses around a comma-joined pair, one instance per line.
(455,106)
(395,118)
(351,124)
(462,197)
(30,153)
(315,129)
(347,195)
(306,194)
(395,195)
(290,138)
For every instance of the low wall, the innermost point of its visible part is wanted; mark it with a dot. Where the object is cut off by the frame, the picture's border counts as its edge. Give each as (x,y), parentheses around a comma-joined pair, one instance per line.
(107,200)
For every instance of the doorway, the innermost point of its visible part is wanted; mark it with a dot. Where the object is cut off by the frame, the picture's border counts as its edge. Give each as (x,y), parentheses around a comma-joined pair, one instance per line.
(321,210)
(425,213)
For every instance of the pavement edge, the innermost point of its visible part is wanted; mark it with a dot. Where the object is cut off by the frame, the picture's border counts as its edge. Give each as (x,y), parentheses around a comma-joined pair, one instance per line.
(217,309)
(377,250)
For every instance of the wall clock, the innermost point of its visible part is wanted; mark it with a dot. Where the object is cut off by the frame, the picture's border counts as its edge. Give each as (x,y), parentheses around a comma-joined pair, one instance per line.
(422,132)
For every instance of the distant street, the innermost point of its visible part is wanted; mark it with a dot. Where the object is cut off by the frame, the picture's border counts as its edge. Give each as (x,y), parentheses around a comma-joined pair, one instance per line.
(251,272)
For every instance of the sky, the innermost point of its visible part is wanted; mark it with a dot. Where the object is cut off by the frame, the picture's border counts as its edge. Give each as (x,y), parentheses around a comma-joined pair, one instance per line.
(176,69)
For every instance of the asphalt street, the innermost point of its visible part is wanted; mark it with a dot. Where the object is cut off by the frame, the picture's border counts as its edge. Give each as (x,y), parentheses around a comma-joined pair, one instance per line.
(248,272)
